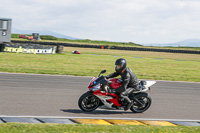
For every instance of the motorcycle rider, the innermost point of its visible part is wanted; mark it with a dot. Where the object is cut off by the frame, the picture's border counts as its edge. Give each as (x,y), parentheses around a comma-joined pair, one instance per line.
(130,81)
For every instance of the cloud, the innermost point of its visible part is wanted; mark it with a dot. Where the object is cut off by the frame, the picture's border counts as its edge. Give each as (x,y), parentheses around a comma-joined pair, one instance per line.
(140,21)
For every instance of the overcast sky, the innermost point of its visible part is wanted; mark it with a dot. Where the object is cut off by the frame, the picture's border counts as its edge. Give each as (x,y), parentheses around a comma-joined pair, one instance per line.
(139,21)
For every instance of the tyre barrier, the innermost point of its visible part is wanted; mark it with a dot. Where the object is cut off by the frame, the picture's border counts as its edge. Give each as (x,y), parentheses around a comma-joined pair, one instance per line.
(155,50)
(63,44)
(112,47)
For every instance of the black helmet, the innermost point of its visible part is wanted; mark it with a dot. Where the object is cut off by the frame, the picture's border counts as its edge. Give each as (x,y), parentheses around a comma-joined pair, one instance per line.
(122,63)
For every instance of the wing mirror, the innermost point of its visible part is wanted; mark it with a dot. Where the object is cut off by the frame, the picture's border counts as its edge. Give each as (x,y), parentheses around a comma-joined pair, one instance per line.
(102,72)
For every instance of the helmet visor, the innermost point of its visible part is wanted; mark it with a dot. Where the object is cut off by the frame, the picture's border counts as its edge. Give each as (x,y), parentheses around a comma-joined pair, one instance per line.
(117,67)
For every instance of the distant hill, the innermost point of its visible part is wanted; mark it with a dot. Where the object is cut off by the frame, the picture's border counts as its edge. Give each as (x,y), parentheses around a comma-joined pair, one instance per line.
(189,43)
(184,43)
(43,32)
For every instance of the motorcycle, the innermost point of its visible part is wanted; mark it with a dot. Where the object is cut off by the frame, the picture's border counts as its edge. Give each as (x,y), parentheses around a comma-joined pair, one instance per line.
(99,95)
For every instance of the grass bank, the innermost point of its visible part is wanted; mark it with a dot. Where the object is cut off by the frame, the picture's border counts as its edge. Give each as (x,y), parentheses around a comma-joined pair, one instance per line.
(78,128)
(146,65)
(47,38)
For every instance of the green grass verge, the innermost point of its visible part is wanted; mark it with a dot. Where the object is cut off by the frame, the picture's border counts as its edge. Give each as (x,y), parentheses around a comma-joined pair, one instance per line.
(146,65)
(78,128)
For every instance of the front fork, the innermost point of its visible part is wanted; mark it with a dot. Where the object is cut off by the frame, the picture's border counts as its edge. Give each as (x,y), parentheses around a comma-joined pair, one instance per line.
(138,102)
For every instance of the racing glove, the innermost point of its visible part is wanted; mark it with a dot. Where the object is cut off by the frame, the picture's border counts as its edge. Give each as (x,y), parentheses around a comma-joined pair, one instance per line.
(112,91)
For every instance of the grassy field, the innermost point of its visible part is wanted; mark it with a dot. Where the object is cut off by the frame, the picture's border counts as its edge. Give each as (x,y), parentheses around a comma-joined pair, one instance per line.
(61,128)
(146,65)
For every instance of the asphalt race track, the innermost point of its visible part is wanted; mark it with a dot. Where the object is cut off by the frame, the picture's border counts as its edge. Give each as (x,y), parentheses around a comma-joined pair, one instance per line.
(48,95)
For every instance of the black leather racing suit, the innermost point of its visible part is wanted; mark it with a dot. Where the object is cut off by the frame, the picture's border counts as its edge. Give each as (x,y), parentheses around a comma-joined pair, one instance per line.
(130,83)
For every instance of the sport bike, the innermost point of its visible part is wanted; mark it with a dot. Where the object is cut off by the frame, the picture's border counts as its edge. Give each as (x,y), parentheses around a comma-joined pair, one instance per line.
(99,95)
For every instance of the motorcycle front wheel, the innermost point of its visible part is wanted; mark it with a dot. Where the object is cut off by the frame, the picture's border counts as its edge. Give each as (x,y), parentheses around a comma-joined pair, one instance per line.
(146,103)
(88,102)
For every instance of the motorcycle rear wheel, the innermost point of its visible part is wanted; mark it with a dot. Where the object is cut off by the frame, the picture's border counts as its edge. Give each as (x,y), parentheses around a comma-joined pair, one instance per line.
(145,100)
(88,102)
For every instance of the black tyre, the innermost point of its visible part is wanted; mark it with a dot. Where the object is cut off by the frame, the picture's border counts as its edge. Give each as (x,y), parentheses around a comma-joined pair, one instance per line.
(88,102)
(145,100)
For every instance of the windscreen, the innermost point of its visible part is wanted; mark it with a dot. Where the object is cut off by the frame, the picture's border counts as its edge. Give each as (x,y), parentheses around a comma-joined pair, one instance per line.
(100,80)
